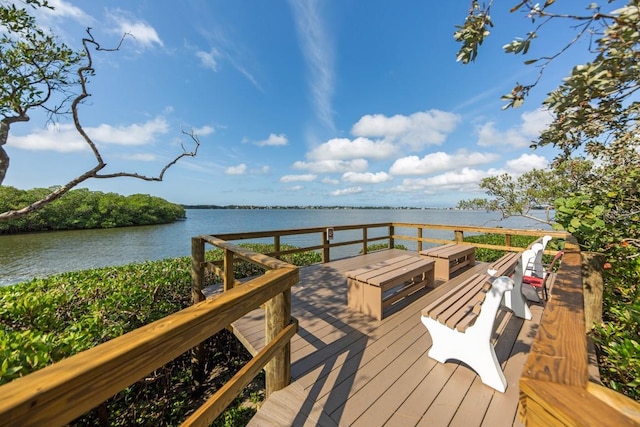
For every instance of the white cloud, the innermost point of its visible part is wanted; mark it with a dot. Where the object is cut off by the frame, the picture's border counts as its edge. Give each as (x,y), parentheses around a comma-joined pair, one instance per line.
(135,134)
(416,131)
(273,141)
(294,188)
(345,149)
(520,136)
(318,53)
(347,191)
(141,157)
(438,162)
(204,130)
(333,166)
(489,136)
(61,138)
(236,170)
(534,122)
(331,181)
(464,179)
(296,178)
(63,9)
(143,34)
(209,59)
(223,49)
(65,138)
(526,163)
(366,178)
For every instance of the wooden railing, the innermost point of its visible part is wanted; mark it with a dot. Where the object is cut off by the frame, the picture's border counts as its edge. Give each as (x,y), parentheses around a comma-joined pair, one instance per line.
(555,387)
(58,394)
(386,232)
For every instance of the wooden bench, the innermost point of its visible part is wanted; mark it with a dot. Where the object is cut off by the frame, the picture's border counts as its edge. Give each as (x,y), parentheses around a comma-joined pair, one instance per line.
(373,288)
(451,258)
(461,324)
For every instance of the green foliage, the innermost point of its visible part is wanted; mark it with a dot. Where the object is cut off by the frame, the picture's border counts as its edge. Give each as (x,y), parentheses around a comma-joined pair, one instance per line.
(82,209)
(473,32)
(46,320)
(618,337)
(532,190)
(490,255)
(34,63)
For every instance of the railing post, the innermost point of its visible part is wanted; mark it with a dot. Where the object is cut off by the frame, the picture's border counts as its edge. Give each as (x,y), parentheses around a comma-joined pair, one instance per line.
(197,269)
(419,239)
(198,353)
(459,236)
(276,245)
(228,270)
(593,287)
(325,247)
(391,232)
(507,239)
(277,317)
(364,240)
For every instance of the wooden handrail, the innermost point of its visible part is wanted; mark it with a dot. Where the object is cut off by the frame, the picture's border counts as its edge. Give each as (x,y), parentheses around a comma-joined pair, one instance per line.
(392,236)
(554,386)
(59,393)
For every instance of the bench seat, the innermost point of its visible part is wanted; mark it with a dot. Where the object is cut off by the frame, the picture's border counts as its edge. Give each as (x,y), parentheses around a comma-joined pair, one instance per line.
(373,288)
(450,258)
(506,265)
(461,324)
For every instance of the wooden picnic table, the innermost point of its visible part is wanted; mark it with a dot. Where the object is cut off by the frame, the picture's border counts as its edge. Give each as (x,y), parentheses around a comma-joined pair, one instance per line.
(373,288)
(450,258)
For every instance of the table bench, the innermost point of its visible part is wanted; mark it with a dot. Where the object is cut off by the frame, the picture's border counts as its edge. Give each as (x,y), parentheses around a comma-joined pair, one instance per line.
(461,323)
(451,258)
(373,288)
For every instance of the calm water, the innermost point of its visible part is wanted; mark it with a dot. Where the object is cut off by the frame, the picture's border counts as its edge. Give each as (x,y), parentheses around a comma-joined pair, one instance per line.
(24,257)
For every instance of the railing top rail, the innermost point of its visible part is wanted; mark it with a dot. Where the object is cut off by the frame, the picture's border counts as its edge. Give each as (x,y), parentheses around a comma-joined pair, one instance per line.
(292,231)
(246,254)
(309,230)
(489,230)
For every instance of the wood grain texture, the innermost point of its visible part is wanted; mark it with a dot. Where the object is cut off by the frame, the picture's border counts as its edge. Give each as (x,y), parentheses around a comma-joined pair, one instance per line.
(555,388)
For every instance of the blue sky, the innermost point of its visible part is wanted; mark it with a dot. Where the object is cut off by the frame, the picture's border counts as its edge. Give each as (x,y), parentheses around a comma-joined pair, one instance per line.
(335,102)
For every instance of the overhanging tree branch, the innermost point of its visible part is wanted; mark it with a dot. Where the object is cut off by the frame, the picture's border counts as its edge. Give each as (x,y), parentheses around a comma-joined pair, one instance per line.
(83,73)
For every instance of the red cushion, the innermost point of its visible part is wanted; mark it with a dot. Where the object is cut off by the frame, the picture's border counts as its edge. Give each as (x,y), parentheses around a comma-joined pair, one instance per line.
(533,281)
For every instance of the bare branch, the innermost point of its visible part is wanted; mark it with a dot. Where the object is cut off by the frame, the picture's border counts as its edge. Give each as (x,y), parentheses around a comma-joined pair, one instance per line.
(83,73)
(185,153)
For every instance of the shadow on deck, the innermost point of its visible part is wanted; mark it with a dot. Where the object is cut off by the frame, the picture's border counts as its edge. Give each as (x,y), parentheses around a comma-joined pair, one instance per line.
(350,369)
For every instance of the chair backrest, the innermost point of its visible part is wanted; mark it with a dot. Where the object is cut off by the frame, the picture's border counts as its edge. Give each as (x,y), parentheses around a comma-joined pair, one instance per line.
(527,257)
(556,258)
(535,268)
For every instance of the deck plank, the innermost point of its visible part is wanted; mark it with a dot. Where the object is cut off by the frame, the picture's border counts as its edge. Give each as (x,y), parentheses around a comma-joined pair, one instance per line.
(350,369)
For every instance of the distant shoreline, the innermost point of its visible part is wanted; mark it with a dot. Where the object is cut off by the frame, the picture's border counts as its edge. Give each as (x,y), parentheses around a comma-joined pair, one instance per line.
(310,207)
(331,207)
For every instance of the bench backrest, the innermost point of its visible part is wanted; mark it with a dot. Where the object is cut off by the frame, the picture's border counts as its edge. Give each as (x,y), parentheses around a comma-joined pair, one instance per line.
(535,268)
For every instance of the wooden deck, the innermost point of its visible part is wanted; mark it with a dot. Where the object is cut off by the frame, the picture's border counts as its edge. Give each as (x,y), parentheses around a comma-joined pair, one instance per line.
(350,369)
